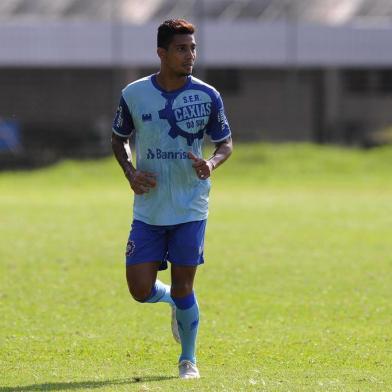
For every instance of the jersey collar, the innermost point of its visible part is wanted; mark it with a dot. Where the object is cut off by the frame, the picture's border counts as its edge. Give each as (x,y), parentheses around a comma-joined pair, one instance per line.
(153,79)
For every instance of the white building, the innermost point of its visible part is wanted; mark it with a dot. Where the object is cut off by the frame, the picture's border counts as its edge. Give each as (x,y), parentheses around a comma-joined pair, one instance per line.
(287,69)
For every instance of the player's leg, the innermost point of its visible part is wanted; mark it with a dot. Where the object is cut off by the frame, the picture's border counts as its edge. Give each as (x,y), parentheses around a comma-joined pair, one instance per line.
(186,245)
(141,280)
(146,250)
(187,312)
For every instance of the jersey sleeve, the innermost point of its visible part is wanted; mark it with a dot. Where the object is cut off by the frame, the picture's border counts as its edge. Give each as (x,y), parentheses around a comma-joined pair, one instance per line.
(218,127)
(123,123)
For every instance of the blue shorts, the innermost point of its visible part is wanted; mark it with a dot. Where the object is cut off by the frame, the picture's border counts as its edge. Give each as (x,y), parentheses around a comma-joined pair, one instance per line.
(181,244)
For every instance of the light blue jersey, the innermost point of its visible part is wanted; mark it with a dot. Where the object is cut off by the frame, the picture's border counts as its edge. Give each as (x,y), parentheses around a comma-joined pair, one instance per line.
(167,125)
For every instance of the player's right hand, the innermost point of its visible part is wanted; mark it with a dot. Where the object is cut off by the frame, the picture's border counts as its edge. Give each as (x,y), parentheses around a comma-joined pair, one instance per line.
(141,182)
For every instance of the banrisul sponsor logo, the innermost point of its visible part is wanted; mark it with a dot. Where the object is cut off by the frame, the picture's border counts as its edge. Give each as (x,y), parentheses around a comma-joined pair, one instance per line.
(150,154)
(157,153)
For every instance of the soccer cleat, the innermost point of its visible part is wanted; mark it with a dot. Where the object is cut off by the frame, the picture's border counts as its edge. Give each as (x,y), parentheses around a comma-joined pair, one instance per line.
(174,325)
(188,370)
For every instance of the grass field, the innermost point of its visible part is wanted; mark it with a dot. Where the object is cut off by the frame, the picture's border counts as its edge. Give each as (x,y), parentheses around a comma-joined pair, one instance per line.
(295,295)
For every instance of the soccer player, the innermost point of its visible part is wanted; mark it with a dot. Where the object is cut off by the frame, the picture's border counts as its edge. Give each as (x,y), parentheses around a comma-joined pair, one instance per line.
(170,113)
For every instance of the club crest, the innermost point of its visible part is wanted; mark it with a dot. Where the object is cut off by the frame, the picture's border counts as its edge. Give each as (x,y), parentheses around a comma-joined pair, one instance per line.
(130,248)
(187,113)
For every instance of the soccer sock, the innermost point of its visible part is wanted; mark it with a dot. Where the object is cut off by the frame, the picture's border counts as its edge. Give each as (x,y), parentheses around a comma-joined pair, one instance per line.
(187,314)
(160,293)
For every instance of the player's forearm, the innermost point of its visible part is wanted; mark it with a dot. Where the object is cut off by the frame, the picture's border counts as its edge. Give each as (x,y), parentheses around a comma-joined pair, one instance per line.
(119,151)
(221,154)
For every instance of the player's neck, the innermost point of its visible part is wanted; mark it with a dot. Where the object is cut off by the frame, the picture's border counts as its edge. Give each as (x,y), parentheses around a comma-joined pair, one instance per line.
(170,82)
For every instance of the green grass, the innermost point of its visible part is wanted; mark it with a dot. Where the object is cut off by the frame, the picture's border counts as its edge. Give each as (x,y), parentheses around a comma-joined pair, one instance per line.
(295,294)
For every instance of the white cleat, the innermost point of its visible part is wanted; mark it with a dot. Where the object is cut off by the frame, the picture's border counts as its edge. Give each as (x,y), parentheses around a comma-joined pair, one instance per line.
(188,370)
(174,325)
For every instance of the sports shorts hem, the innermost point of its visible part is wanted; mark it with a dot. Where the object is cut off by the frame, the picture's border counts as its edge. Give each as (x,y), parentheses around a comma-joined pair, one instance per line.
(180,244)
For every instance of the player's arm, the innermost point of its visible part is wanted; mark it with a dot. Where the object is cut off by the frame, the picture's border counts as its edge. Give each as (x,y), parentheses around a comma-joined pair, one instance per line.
(140,182)
(122,155)
(204,167)
(220,134)
(222,151)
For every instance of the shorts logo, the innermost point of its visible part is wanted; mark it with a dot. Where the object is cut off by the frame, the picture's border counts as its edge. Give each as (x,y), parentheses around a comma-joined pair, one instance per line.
(188,114)
(130,248)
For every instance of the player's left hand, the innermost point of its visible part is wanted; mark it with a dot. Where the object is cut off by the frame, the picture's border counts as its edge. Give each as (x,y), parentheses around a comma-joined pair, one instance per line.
(203,167)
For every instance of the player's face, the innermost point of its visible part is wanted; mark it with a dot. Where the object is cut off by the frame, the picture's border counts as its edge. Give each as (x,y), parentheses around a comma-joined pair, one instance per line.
(181,54)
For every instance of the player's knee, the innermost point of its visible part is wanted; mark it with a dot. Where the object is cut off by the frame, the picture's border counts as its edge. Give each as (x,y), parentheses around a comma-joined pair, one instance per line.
(140,293)
(179,290)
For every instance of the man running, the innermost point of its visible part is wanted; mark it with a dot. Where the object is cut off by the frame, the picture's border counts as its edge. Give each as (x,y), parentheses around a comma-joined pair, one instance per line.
(170,113)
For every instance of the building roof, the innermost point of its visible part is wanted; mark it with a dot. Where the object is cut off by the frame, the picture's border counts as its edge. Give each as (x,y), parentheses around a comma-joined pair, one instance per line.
(138,12)
(106,33)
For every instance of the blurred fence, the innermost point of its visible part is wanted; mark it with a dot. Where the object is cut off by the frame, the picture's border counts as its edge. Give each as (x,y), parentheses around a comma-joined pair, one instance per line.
(287,70)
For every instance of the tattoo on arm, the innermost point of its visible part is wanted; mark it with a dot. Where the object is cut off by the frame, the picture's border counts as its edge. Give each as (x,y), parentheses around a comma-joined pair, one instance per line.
(121,154)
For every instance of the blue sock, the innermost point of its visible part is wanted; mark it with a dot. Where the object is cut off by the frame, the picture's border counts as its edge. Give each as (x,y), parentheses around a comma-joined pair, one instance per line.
(160,293)
(187,314)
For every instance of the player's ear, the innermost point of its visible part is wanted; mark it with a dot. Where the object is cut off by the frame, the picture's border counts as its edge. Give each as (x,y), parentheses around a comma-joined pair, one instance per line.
(161,52)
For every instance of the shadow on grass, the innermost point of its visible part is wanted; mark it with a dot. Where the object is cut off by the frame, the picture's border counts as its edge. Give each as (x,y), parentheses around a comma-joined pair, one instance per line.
(59,386)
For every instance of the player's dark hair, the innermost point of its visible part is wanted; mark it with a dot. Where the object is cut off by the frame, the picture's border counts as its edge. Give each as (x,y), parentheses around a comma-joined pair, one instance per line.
(169,28)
